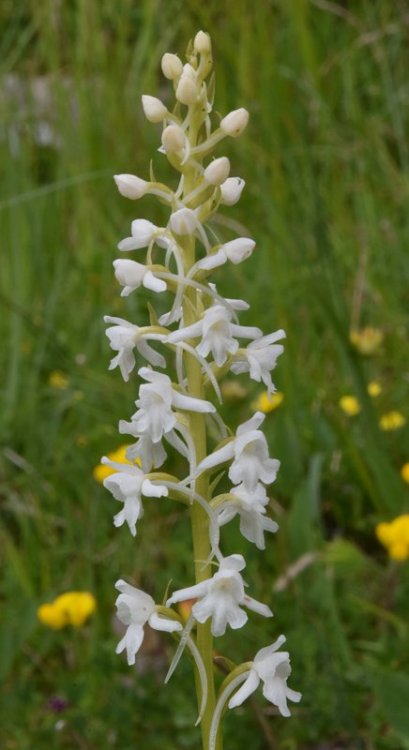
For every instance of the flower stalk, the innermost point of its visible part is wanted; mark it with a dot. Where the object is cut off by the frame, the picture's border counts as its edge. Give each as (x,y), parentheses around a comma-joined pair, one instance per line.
(200,340)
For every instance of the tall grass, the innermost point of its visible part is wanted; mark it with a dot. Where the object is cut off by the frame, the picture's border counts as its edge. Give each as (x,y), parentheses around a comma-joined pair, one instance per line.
(326,165)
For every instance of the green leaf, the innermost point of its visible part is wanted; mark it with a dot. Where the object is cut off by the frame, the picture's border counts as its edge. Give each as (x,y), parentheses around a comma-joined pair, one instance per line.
(392,689)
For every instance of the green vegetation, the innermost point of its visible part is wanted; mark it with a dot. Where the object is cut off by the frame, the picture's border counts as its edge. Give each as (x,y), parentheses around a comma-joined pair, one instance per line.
(325,159)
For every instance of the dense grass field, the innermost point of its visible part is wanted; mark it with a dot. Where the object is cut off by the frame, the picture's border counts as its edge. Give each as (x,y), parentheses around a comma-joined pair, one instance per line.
(325,159)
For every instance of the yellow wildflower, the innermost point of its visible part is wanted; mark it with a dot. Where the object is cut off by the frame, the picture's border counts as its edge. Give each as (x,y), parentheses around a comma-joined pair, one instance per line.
(58,380)
(266,403)
(395,537)
(374,388)
(350,405)
(366,340)
(404,472)
(52,616)
(119,455)
(72,608)
(392,420)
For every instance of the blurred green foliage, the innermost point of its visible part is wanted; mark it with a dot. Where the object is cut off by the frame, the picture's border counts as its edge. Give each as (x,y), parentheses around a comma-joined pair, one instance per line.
(325,159)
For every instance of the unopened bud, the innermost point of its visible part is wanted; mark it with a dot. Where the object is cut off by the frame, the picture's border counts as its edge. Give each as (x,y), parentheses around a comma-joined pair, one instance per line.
(154,109)
(231,190)
(217,171)
(183,221)
(235,122)
(239,249)
(173,139)
(131,186)
(202,43)
(172,66)
(186,90)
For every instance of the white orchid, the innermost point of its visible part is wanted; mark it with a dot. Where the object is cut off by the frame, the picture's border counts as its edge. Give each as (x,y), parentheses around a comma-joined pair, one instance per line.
(236,251)
(272,668)
(157,400)
(135,608)
(249,451)
(206,342)
(127,485)
(142,234)
(131,275)
(259,358)
(250,505)
(217,332)
(221,597)
(124,337)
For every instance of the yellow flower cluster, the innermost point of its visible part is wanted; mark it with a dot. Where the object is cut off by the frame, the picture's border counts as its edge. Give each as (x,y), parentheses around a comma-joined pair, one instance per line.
(266,403)
(72,608)
(395,537)
(119,455)
(58,380)
(366,340)
(392,420)
(350,405)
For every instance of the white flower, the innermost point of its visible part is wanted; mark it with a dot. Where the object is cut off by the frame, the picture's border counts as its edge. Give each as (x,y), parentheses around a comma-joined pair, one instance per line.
(259,358)
(217,171)
(202,43)
(123,338)
(173,139)
(131,186)
(235,122)
(187,89)
(250,505)
(273,668)
(143,232)
(217,332)
(236,251)
(249,451)
(172,66)
(183,221)
(131,275)
(230,190)
(135,608)
(155,416)
(154,109)
(127,485)
(220,597)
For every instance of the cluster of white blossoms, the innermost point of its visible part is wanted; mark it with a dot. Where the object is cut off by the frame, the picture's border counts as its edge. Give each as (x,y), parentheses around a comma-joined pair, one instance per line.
(197,341)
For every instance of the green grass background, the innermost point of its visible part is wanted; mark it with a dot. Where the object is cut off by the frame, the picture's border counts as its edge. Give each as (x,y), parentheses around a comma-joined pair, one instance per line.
(325,159)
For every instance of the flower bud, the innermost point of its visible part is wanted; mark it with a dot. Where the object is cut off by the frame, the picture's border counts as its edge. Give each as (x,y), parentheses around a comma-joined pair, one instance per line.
(235,122)
(202,43)
(239,249)
(173,139)
(183,221)
(171,66)
(154,109)
(131,186)
(186,90)
(231,190)
(217,171)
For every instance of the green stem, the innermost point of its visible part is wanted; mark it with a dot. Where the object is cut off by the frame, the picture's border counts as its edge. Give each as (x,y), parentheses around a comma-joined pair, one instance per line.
(199,519)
